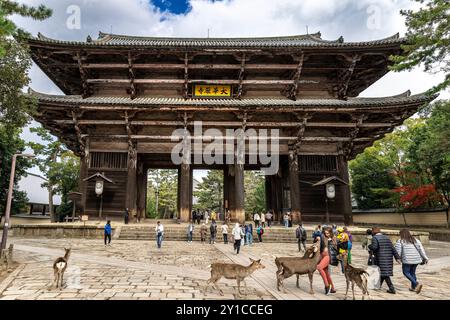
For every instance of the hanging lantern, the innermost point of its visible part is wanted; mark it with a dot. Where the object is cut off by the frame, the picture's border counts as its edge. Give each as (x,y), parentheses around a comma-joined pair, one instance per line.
(331,190)
(99,187)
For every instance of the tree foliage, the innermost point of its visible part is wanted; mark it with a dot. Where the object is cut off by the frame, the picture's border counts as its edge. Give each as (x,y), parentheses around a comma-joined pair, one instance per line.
(255,197)
(165,182)
(209,192)
(64,176)
(410,167)
(10,144)
(47,154)
(428,40)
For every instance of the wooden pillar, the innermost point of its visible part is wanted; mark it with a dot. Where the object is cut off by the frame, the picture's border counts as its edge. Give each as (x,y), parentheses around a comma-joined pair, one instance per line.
(268,193)
(141,191)
(131,180)
(31,208)
(346,193)
(294,187)
(184,189)
(229,190)
(239,212)
(84,164)
(191,192)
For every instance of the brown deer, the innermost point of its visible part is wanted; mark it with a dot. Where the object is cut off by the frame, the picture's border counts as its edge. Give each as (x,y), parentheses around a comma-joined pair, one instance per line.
(288,266)
(59,267)
(354,275)
(232,271)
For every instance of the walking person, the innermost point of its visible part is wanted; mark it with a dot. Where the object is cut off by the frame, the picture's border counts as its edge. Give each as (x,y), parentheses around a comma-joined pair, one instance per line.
(412,254)
(190,231)
(260,232)
(263,219)
(199,216)
(249,234)
(237,236)
(286,220)
(342,244)
(349,245)
(290,219)
(206,217)
(269,216)
(203,231)
(194,215)
(244,234)
(225,232)
(126,216)
(256,218)
(108,232)
(213,232)
(300,234)
(159,229)
(384,252)
(328,256)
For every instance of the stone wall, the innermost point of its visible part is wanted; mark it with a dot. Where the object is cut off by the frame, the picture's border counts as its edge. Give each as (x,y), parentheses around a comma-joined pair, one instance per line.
(430,218)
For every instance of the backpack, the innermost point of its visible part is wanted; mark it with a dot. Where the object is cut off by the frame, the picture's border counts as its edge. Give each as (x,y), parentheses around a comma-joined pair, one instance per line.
(212,228)
(303,234)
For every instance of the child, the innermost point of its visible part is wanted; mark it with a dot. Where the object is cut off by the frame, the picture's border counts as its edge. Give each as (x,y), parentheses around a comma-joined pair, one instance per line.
(203,231)
(260,232)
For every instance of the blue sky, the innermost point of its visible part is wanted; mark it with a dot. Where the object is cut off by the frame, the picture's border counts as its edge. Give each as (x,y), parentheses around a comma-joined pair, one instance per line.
(173,6)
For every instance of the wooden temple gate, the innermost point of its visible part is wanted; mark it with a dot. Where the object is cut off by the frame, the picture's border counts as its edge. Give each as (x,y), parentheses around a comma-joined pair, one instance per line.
(125,96)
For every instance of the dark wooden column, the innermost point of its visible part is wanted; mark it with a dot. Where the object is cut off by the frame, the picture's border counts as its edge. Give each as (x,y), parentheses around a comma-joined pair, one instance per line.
(131,180)
(239,212)
(184,190)
(346,193)
(294,186)
(268,192)
(229,190)
(83,184)
(191,192)
(141,190)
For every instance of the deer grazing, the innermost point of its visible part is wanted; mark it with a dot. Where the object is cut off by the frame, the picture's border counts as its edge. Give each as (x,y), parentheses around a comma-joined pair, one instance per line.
(59,267)
(232,271)
(288,266)
(354,275)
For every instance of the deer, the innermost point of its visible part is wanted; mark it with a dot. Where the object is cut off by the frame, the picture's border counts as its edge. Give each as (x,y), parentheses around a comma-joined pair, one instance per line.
(288,266)
(232,271)
(59,267)
(354,275)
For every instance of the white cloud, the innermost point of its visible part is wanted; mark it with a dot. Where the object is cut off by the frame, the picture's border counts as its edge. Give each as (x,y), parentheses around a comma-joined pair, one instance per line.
(231,18)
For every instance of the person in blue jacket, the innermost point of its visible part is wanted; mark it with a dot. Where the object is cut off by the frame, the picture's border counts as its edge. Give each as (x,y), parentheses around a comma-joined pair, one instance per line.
(108,231)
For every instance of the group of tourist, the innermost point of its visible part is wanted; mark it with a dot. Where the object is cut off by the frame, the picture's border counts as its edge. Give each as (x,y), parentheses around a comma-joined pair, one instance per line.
(334,242)
(338,241)
(206,215)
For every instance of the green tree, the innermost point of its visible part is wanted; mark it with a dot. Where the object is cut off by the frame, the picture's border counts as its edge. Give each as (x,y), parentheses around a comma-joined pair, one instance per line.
(428,40)
(210,191)
(255,197)
(64,176)
(372,180)
(47,154)
(15,61)
(164,181)
(10,144)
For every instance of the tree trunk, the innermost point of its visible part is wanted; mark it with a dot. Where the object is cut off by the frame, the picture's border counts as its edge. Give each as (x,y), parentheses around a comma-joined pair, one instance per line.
(50,204)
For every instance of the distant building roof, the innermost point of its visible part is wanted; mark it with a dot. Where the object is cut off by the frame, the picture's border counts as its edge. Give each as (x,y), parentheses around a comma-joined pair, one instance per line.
(31,184)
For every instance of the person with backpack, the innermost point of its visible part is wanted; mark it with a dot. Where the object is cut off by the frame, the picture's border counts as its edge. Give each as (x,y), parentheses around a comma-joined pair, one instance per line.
(260,232)
(256,219)
(342,244)
(213,231)
(190,231)
(225,232)
(301,236)
(412,254)
(349,245)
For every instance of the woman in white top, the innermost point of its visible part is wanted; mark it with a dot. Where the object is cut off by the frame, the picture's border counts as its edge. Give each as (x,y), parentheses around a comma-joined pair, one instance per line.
(237,235)
(225,232)
(412,254)
(159,229)
(256,218)
(263,220)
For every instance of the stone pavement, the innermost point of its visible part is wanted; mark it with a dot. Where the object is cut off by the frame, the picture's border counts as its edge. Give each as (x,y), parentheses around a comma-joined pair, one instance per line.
(138,270)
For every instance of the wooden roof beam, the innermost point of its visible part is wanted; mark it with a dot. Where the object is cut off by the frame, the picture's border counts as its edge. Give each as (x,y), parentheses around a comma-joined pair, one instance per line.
(131,76)
(83,75)
(345,77)
(292,90)
(196,81)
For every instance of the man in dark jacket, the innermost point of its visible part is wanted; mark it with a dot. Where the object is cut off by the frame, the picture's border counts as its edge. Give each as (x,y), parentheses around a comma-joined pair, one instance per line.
(384,252)
(301,236)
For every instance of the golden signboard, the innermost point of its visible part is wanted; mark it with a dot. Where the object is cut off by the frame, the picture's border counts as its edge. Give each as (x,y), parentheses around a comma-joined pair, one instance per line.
(206,90)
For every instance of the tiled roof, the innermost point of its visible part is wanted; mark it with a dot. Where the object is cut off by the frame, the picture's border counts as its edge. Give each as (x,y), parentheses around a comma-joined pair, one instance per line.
(297,41)
(402,99)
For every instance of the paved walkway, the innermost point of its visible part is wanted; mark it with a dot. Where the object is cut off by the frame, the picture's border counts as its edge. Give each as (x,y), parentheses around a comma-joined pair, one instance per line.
(138,270)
